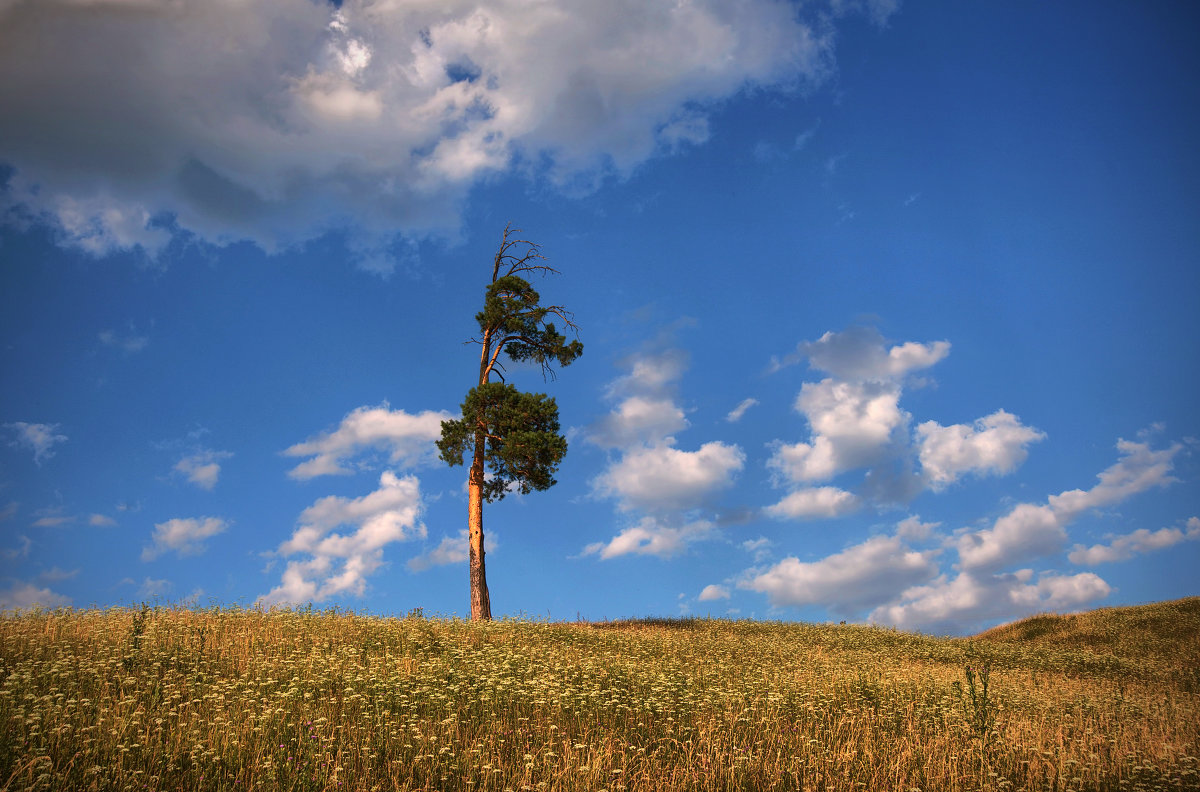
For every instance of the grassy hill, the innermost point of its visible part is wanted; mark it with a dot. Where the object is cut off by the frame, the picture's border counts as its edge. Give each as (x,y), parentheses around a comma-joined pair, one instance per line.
(1157,640)
(232,699)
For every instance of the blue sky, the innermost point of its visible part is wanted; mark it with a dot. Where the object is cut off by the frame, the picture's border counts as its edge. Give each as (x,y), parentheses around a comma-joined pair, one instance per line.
(889,312)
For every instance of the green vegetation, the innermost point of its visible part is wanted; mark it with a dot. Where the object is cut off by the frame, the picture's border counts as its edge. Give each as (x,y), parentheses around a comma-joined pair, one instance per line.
(232,699)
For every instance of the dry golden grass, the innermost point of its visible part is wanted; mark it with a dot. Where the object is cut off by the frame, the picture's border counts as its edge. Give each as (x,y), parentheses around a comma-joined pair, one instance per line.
(231,699)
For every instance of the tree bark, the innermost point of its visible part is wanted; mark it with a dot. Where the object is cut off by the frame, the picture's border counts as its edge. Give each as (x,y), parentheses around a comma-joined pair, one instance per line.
(481,603)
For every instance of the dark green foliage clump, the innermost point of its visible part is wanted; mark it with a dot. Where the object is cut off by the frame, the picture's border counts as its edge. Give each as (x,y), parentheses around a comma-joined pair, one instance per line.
(524,447)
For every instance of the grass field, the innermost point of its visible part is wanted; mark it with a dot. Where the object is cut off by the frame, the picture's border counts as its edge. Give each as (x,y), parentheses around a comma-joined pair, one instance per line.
(233,699)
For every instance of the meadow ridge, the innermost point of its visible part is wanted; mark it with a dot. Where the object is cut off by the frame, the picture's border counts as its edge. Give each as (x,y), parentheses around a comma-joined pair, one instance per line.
(175,698)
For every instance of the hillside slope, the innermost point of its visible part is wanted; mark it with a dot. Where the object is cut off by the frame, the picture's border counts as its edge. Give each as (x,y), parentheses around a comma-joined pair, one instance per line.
(1162,635)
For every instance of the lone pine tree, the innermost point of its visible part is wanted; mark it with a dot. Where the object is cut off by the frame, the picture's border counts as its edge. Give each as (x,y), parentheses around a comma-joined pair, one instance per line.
(513,437)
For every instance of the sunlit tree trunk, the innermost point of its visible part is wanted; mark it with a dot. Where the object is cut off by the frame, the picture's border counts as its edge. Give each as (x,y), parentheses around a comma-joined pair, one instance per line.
(481,604)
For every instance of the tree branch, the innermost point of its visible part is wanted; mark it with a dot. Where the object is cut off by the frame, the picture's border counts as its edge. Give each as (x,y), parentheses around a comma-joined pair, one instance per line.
(515,263)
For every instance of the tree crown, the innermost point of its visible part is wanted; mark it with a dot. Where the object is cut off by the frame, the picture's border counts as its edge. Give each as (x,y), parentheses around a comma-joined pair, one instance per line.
(514,434)
(514,322)
(523,444)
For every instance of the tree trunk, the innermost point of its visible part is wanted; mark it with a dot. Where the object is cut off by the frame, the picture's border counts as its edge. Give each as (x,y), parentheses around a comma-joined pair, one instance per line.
(481,603)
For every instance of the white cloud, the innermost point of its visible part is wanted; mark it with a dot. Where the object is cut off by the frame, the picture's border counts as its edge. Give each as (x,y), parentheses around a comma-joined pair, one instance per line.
(1138,470)
(52,517)
(36,437)
(202,468)
(760,547)
(22,595)
(971,598)
(853,424)
(639,419)
(860,354)
(996,444)
(813,503)
(451,550)
(854,415)
(651,374)
(912,529)
(1026,532)
(154,587)
(408,439)
(184,537)
(663,479)
(1031,531)
(884,573)
(654,537)
(646,413)
(713,592)
(860,576)
(276,122)
(1126,546)
(101,521)
(650,474)
(340,563)
(736,413)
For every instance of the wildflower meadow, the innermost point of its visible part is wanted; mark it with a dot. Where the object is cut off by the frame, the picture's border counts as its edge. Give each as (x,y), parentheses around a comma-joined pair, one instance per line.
(178,698)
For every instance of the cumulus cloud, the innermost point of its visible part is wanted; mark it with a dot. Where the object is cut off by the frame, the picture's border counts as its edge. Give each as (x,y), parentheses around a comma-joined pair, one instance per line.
(660,537)
(903,587)
(184,537)
(275,122)
(814,502)
(650,474)
(982,591)
(860,354)
(651,374)
(202,468)
(970,598)
(912,529)
(22,595)
(451,550)
(1126,546)
(713,592)
(1031,531)
(861,576)
(854,415)
(340,563)
(36,437)
(996,444)
(407,439)
(663,479)
(853,425)
(639,419)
